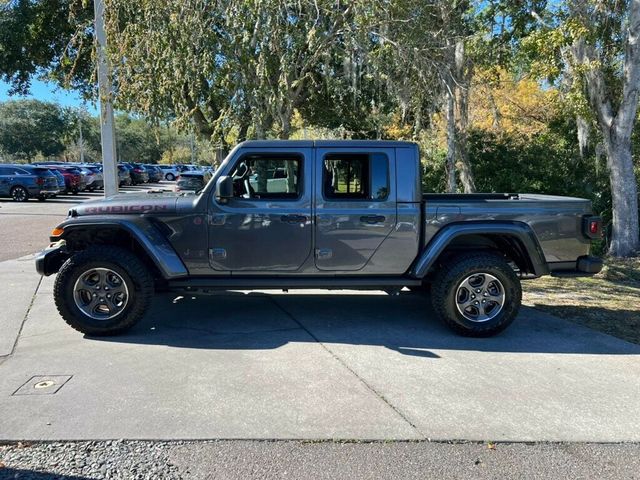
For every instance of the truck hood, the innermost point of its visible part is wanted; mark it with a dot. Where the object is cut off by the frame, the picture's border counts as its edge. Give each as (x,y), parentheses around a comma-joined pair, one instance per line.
(130,203)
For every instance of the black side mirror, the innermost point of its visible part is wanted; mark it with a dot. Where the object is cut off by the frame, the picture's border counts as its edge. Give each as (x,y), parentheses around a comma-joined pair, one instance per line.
(224,189)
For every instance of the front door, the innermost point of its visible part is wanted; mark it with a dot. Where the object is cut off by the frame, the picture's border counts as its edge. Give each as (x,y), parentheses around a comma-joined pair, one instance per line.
(267,225)
(355,205)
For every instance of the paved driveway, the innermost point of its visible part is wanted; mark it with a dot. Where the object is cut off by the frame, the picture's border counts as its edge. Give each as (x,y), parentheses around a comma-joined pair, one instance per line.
(313,365)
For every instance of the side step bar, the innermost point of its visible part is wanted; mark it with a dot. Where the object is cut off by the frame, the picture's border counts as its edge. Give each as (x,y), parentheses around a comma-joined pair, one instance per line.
(284,283)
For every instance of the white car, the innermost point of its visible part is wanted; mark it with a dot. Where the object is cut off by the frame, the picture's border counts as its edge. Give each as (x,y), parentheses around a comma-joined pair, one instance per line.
(169,172)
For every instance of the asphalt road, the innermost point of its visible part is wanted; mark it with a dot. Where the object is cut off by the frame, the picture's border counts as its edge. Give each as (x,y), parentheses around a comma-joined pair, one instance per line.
(25,227)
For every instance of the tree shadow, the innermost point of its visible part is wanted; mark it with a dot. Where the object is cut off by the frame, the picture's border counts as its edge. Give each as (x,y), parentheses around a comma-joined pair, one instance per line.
(404,323)
(621,323)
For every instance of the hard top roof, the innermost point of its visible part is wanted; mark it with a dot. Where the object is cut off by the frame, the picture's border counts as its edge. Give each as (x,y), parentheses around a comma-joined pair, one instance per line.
(326,143)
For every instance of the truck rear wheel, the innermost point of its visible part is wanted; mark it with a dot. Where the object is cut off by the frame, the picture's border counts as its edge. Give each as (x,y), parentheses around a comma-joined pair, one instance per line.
(477,295)
(103,290)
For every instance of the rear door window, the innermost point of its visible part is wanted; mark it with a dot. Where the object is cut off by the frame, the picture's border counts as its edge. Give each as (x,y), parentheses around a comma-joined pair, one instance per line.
(356,176)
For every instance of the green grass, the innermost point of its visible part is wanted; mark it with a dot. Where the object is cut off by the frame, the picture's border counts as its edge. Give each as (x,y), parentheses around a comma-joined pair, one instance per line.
(608,302)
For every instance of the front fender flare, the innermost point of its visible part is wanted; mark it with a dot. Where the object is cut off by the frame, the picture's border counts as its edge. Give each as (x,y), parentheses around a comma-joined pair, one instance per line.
(518,230)
(160,251)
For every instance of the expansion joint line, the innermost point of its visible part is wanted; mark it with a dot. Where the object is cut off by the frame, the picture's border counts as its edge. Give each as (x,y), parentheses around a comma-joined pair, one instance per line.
(351,370)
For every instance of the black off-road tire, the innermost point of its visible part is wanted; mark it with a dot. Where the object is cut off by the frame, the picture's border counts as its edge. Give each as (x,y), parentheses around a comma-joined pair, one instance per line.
(136,275)
(454,272)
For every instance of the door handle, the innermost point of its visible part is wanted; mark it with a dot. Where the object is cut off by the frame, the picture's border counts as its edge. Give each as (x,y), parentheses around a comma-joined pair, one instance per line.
(372,219)
(293,218)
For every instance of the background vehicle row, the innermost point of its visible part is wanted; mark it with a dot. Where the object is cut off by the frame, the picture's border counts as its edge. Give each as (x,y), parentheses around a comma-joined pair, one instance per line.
(22,182)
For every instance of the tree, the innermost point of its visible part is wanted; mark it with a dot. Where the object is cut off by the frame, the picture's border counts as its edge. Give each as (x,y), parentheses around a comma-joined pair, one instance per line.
(48,38)
(31,127)
(597,42)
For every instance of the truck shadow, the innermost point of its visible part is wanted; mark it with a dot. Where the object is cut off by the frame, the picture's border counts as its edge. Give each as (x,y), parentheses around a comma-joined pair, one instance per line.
(404,323)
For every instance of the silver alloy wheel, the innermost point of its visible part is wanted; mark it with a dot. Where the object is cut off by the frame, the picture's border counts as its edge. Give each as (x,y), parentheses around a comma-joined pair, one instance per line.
(101,293)
(19,194)
(480,297)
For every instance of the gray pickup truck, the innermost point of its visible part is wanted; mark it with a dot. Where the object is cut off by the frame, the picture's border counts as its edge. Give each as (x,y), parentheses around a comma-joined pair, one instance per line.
(316,214)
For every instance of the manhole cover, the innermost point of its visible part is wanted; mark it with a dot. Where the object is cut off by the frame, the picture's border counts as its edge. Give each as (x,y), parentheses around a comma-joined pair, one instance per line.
(43,385)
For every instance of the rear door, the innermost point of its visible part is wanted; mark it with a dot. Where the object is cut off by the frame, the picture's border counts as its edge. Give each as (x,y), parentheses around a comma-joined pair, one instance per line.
(355,205)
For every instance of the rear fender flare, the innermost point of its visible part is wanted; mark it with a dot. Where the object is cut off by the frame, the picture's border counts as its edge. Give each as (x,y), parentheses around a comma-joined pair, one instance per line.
(517,230)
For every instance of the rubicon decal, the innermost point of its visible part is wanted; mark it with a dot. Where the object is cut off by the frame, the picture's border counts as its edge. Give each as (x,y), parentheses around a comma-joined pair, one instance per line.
(126,209)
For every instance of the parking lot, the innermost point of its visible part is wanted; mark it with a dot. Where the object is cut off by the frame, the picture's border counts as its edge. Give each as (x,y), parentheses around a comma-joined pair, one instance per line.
(302,365)
(26,226)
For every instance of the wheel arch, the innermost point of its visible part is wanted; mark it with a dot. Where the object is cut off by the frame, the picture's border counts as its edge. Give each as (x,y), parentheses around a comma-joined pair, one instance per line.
(143,238)
(515,240)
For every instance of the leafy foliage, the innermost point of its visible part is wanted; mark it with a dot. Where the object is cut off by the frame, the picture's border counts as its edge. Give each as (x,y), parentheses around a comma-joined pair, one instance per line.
(31,127)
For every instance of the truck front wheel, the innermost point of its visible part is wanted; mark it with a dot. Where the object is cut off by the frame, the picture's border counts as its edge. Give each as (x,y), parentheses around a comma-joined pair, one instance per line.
(103,290)
(477,295)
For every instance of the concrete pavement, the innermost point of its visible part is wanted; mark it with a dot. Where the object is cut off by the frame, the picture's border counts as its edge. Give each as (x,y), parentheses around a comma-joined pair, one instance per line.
(312,365)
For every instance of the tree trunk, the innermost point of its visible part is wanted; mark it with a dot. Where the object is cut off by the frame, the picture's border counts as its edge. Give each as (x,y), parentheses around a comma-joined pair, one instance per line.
(616,125)
(624,192)
(451,143)
(462,85)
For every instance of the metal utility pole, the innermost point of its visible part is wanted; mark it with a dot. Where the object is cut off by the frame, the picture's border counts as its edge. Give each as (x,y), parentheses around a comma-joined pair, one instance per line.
(107,131)
(81,141)
(193,149)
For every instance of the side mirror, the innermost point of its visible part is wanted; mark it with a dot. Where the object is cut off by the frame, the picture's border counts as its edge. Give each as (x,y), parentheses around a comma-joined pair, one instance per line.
(224,189)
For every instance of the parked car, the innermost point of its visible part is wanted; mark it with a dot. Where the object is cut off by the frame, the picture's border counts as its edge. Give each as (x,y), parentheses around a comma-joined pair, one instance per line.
(192,181)
(155,173)
(90,178)
(82,177)
(138,174)
(170,172)
(62,186)
(97,182)
(72,178)
(349,214)
(124,176)
(22,182)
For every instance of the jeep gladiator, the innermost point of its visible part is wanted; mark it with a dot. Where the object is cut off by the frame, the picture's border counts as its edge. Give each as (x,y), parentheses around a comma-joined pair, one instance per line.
(316,214)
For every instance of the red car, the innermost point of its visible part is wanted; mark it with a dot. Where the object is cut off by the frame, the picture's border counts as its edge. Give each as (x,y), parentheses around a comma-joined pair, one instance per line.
(72,178)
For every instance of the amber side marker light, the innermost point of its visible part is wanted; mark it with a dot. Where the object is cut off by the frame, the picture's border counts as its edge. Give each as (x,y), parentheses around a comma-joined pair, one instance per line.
(56,232)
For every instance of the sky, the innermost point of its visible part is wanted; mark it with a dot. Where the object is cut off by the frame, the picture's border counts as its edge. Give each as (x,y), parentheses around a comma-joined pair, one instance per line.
(48,92)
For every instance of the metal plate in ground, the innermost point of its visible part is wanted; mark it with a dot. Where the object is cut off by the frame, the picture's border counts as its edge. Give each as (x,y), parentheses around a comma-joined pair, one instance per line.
(43,385)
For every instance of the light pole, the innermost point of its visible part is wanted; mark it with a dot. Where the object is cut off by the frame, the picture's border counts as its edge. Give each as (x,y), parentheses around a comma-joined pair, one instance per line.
(107,131)
(81,140)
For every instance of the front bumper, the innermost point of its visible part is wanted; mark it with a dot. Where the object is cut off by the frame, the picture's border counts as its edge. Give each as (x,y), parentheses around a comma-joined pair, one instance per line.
(49,260)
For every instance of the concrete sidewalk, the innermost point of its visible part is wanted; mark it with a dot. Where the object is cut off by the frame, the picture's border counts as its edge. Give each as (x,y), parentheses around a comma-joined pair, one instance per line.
(313,365)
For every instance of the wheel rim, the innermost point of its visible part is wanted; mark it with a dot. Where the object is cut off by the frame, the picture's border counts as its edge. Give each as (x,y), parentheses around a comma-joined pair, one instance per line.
(101,293)
(480,297)
(19,194)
